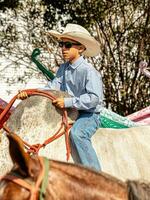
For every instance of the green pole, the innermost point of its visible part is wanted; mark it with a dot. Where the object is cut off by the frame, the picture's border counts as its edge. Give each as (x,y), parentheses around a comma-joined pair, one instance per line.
(49,75)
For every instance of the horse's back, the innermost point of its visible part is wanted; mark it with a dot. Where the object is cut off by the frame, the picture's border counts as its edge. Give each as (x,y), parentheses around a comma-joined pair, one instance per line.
(124,153)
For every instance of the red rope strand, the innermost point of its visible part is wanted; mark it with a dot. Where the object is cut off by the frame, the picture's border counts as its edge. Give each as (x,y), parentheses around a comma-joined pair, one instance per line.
(36,147)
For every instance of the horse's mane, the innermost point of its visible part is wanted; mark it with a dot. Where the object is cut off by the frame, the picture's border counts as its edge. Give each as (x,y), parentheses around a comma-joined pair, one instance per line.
(87,173)
(138,190)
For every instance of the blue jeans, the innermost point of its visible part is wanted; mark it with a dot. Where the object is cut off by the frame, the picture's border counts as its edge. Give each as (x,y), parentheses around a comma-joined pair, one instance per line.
(80,136)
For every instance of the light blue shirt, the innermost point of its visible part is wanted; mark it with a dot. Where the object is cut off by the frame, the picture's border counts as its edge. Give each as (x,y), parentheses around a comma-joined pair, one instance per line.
(83,82)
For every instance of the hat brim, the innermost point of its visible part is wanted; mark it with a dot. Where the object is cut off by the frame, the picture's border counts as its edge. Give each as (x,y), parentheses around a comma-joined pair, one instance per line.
(92,46)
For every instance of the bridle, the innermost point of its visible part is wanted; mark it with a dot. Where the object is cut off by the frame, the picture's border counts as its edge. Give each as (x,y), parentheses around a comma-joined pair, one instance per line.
(64,128)
(36,192)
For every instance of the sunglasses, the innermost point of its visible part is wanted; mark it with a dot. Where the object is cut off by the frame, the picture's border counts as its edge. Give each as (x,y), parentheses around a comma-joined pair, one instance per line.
(68,44)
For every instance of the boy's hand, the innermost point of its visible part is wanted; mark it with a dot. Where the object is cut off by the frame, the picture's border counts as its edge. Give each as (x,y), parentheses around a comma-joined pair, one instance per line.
(22,95)
(59,102)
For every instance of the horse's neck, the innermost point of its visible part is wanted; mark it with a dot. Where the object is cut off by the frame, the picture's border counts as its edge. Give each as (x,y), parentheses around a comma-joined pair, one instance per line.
(76,182)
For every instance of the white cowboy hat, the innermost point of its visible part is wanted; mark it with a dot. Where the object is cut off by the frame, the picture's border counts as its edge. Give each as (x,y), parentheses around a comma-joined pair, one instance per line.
(81,35)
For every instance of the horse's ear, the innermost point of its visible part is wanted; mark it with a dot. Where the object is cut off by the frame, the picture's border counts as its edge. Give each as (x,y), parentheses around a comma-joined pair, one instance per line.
(18,154)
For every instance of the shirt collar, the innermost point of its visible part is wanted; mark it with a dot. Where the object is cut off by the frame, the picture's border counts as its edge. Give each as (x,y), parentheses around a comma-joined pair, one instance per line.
(76,63)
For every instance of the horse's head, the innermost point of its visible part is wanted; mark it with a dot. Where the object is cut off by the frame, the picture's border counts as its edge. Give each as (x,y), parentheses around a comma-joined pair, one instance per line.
(21,182)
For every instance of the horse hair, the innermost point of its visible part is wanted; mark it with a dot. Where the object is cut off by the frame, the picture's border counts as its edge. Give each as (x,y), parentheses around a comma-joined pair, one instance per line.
(138,190)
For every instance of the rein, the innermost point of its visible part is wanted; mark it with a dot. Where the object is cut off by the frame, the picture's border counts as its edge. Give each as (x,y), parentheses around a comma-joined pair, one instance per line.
(41,181)
(64,128)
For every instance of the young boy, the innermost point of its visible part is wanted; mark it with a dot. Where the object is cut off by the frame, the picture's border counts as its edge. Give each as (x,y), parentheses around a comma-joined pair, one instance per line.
(81,80)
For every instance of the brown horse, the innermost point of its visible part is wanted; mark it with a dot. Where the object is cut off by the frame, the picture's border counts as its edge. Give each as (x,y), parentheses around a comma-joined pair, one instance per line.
(64,181)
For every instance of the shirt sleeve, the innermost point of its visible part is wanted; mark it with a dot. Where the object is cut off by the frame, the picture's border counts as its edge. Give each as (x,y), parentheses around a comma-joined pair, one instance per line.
(93,93)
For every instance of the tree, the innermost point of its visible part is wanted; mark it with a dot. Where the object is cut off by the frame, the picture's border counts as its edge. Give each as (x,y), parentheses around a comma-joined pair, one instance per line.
(8,4)
(122,28)
(22,30)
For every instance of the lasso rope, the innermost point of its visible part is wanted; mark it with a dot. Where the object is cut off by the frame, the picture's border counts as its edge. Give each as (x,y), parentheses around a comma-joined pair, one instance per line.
(64,128)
